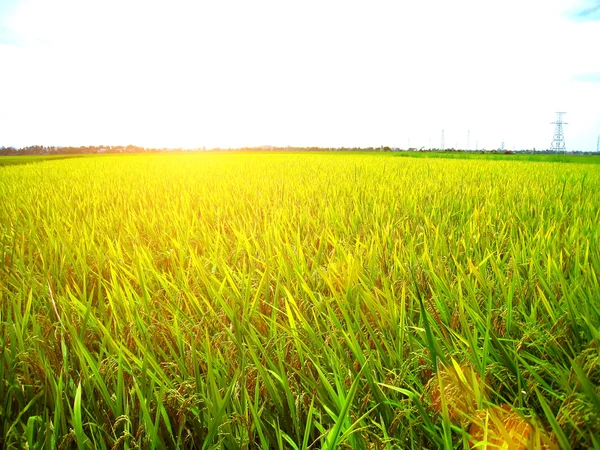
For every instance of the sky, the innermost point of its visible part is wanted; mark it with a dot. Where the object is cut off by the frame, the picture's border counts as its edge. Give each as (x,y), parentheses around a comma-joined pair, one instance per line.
(322,73)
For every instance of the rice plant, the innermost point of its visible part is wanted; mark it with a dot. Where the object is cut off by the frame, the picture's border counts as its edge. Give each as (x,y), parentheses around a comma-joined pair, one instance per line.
(299,301)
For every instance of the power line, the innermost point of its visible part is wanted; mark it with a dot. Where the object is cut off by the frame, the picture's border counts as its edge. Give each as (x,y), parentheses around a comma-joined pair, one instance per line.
(443,139)
(468,140)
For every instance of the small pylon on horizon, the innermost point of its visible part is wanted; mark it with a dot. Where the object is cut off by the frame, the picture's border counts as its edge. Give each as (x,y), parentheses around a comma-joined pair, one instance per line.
(558,141)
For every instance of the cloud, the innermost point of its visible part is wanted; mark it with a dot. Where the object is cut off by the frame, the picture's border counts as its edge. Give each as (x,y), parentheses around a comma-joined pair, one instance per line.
(590,77)
(587,12)
(7,8)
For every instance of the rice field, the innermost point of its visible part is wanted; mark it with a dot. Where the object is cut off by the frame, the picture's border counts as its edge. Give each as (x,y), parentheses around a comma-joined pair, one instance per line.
(299,301)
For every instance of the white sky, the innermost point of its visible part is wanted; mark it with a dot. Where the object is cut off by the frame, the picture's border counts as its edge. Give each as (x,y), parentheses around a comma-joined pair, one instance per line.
(326,73)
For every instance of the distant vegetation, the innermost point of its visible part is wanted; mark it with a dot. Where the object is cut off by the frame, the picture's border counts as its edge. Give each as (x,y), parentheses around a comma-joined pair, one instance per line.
(545,155)
(41,150)
(540,157)
(296,301)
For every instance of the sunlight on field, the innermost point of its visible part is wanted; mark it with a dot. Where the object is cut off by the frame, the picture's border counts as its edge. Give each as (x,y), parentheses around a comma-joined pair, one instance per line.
(296,300)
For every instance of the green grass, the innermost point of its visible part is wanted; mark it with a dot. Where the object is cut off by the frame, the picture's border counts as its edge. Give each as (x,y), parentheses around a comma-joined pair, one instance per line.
(293,300)
(488,156)
(18,160)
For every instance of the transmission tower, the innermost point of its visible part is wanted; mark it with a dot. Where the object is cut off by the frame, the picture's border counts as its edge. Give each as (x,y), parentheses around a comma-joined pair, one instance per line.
(442,140)
(468,140)
(598,145)
(558,141)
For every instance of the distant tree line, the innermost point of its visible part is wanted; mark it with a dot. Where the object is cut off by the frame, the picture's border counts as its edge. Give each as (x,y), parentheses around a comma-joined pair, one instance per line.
(268,148)
(92,149)
(99,149)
